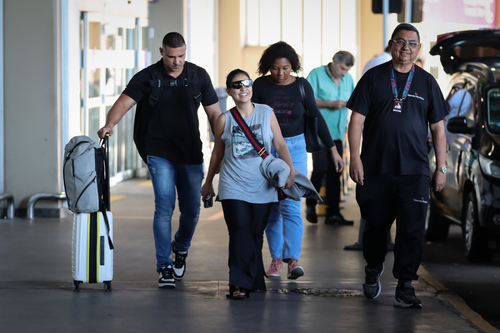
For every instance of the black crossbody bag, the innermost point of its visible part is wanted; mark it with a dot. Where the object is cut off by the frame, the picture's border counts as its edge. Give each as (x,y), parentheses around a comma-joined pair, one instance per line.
(313,141)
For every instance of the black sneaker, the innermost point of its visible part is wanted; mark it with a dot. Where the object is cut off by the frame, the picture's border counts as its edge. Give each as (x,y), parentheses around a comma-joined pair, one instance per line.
(311,215)
(166,280)
(179,263)
(354,247)
(405,296)
(371,287)
(337,219)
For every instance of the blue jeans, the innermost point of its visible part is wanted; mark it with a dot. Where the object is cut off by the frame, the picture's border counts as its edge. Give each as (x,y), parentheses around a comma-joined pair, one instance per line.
(166,177)
(285,227)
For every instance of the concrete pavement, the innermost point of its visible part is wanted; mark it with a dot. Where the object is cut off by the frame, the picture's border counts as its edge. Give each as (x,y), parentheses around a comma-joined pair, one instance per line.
(36,283)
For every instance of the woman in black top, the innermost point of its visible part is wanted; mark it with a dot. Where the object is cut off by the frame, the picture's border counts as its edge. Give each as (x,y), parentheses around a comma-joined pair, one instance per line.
(280,91)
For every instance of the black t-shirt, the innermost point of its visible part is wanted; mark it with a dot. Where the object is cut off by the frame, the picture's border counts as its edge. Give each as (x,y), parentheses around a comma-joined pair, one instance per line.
(395,142)
(286,102)
(173,131)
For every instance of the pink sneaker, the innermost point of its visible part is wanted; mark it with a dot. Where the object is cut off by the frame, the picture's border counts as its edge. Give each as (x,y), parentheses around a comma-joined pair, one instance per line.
(275,268)
(294,270)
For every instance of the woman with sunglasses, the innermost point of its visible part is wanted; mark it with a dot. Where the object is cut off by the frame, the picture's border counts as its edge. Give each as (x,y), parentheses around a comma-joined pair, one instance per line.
(245,194)
(280,91)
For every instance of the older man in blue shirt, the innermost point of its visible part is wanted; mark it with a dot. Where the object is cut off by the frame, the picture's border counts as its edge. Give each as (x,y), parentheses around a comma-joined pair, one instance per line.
(332,87)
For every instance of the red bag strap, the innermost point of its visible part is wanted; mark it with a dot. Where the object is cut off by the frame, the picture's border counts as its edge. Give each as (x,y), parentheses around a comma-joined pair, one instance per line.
(261,151)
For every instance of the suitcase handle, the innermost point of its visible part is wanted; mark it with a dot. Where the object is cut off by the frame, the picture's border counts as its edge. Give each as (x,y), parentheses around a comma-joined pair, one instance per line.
(107,192)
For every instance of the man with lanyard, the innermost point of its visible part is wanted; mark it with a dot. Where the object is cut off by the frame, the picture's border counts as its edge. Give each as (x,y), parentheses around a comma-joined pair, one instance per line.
(332,87)
(392,106)
(170,144)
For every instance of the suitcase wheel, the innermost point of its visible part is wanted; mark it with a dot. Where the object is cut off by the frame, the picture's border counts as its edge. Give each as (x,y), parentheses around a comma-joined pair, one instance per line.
(107,286)
(76,285)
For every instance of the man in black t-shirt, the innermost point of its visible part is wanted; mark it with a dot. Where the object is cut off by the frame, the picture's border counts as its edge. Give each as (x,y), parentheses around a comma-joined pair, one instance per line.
(393,105)
(167,136)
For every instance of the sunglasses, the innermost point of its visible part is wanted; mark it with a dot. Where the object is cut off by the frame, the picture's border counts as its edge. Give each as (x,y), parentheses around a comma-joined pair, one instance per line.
(239,84)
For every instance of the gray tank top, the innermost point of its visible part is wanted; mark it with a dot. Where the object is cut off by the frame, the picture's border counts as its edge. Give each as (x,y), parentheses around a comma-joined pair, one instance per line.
(240,178)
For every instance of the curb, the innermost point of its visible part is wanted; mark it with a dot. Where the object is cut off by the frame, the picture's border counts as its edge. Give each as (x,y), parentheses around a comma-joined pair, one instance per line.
(457,302)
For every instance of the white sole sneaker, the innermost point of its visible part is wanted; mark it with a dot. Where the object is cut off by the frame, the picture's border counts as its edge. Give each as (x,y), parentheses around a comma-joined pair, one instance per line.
(295,273)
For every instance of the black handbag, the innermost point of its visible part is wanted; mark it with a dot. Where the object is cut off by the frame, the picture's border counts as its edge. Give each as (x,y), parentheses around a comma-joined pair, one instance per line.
(313,141)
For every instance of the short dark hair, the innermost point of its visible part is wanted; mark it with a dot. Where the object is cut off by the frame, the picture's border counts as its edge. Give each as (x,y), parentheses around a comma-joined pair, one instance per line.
(173,40)
(405,26)
(232,74)
(275,51)
(344,57)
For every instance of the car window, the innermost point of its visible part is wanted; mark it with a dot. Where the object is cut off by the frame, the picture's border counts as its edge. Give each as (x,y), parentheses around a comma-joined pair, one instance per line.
(460,100)
(474,51)
(493,110)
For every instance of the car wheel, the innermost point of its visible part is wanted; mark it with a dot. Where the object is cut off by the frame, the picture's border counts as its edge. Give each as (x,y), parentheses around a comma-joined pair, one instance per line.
(436,227)
(475,238)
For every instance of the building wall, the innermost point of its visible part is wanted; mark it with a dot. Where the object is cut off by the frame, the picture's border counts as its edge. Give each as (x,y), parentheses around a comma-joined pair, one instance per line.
(32,119)
(42,80)
(230,43)
(371,39)
(165,17)
(316,29)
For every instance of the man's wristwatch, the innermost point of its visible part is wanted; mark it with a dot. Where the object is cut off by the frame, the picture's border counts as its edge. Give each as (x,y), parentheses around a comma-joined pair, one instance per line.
(443,169)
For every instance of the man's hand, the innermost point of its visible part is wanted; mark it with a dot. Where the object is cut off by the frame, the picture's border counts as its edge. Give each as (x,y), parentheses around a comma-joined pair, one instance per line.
(438,181)
(356,170)
(337,105)
(106,129)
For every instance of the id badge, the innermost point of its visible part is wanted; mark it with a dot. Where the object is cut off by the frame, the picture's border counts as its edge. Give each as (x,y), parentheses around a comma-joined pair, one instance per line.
(398,106)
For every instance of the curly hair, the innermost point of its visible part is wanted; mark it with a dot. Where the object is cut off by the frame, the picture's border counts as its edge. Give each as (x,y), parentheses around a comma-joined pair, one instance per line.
(275,51)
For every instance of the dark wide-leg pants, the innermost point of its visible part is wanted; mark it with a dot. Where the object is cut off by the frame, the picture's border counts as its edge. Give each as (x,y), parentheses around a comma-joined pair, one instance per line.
(323,165)
(384,198)
(246,223)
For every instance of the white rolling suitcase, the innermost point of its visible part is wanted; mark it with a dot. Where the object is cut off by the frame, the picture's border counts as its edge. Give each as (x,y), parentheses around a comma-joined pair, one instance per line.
(87,189)
(92,255)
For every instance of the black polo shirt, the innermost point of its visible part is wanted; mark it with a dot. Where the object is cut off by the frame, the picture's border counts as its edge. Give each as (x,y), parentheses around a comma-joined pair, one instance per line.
(395,142)
(173,130)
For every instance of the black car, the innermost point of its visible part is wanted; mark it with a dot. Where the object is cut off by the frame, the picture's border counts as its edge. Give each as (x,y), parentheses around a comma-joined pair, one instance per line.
(471,196)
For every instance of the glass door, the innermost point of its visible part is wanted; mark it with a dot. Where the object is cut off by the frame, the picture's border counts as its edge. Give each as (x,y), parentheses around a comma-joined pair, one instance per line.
(112,51)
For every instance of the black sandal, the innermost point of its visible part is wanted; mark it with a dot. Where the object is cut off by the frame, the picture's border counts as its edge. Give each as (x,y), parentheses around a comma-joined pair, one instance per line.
(236,292)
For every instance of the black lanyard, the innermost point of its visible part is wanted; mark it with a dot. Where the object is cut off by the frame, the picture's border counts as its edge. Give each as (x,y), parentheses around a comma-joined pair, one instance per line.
(407,86)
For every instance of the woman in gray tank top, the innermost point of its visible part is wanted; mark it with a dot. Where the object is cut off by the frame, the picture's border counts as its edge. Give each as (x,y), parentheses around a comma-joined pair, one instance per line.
(245,194)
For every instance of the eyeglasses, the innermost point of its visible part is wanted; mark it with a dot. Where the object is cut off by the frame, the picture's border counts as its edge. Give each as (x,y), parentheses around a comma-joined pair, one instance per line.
(239,84)
(403,43)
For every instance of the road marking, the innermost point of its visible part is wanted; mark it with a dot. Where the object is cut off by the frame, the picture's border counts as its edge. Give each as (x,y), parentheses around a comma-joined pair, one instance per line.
(116,197)
(146,183)
(216,216)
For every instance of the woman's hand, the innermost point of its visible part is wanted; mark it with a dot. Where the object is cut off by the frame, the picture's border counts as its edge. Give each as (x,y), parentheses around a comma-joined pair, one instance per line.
(337,159)
(207,189)
(290,180)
